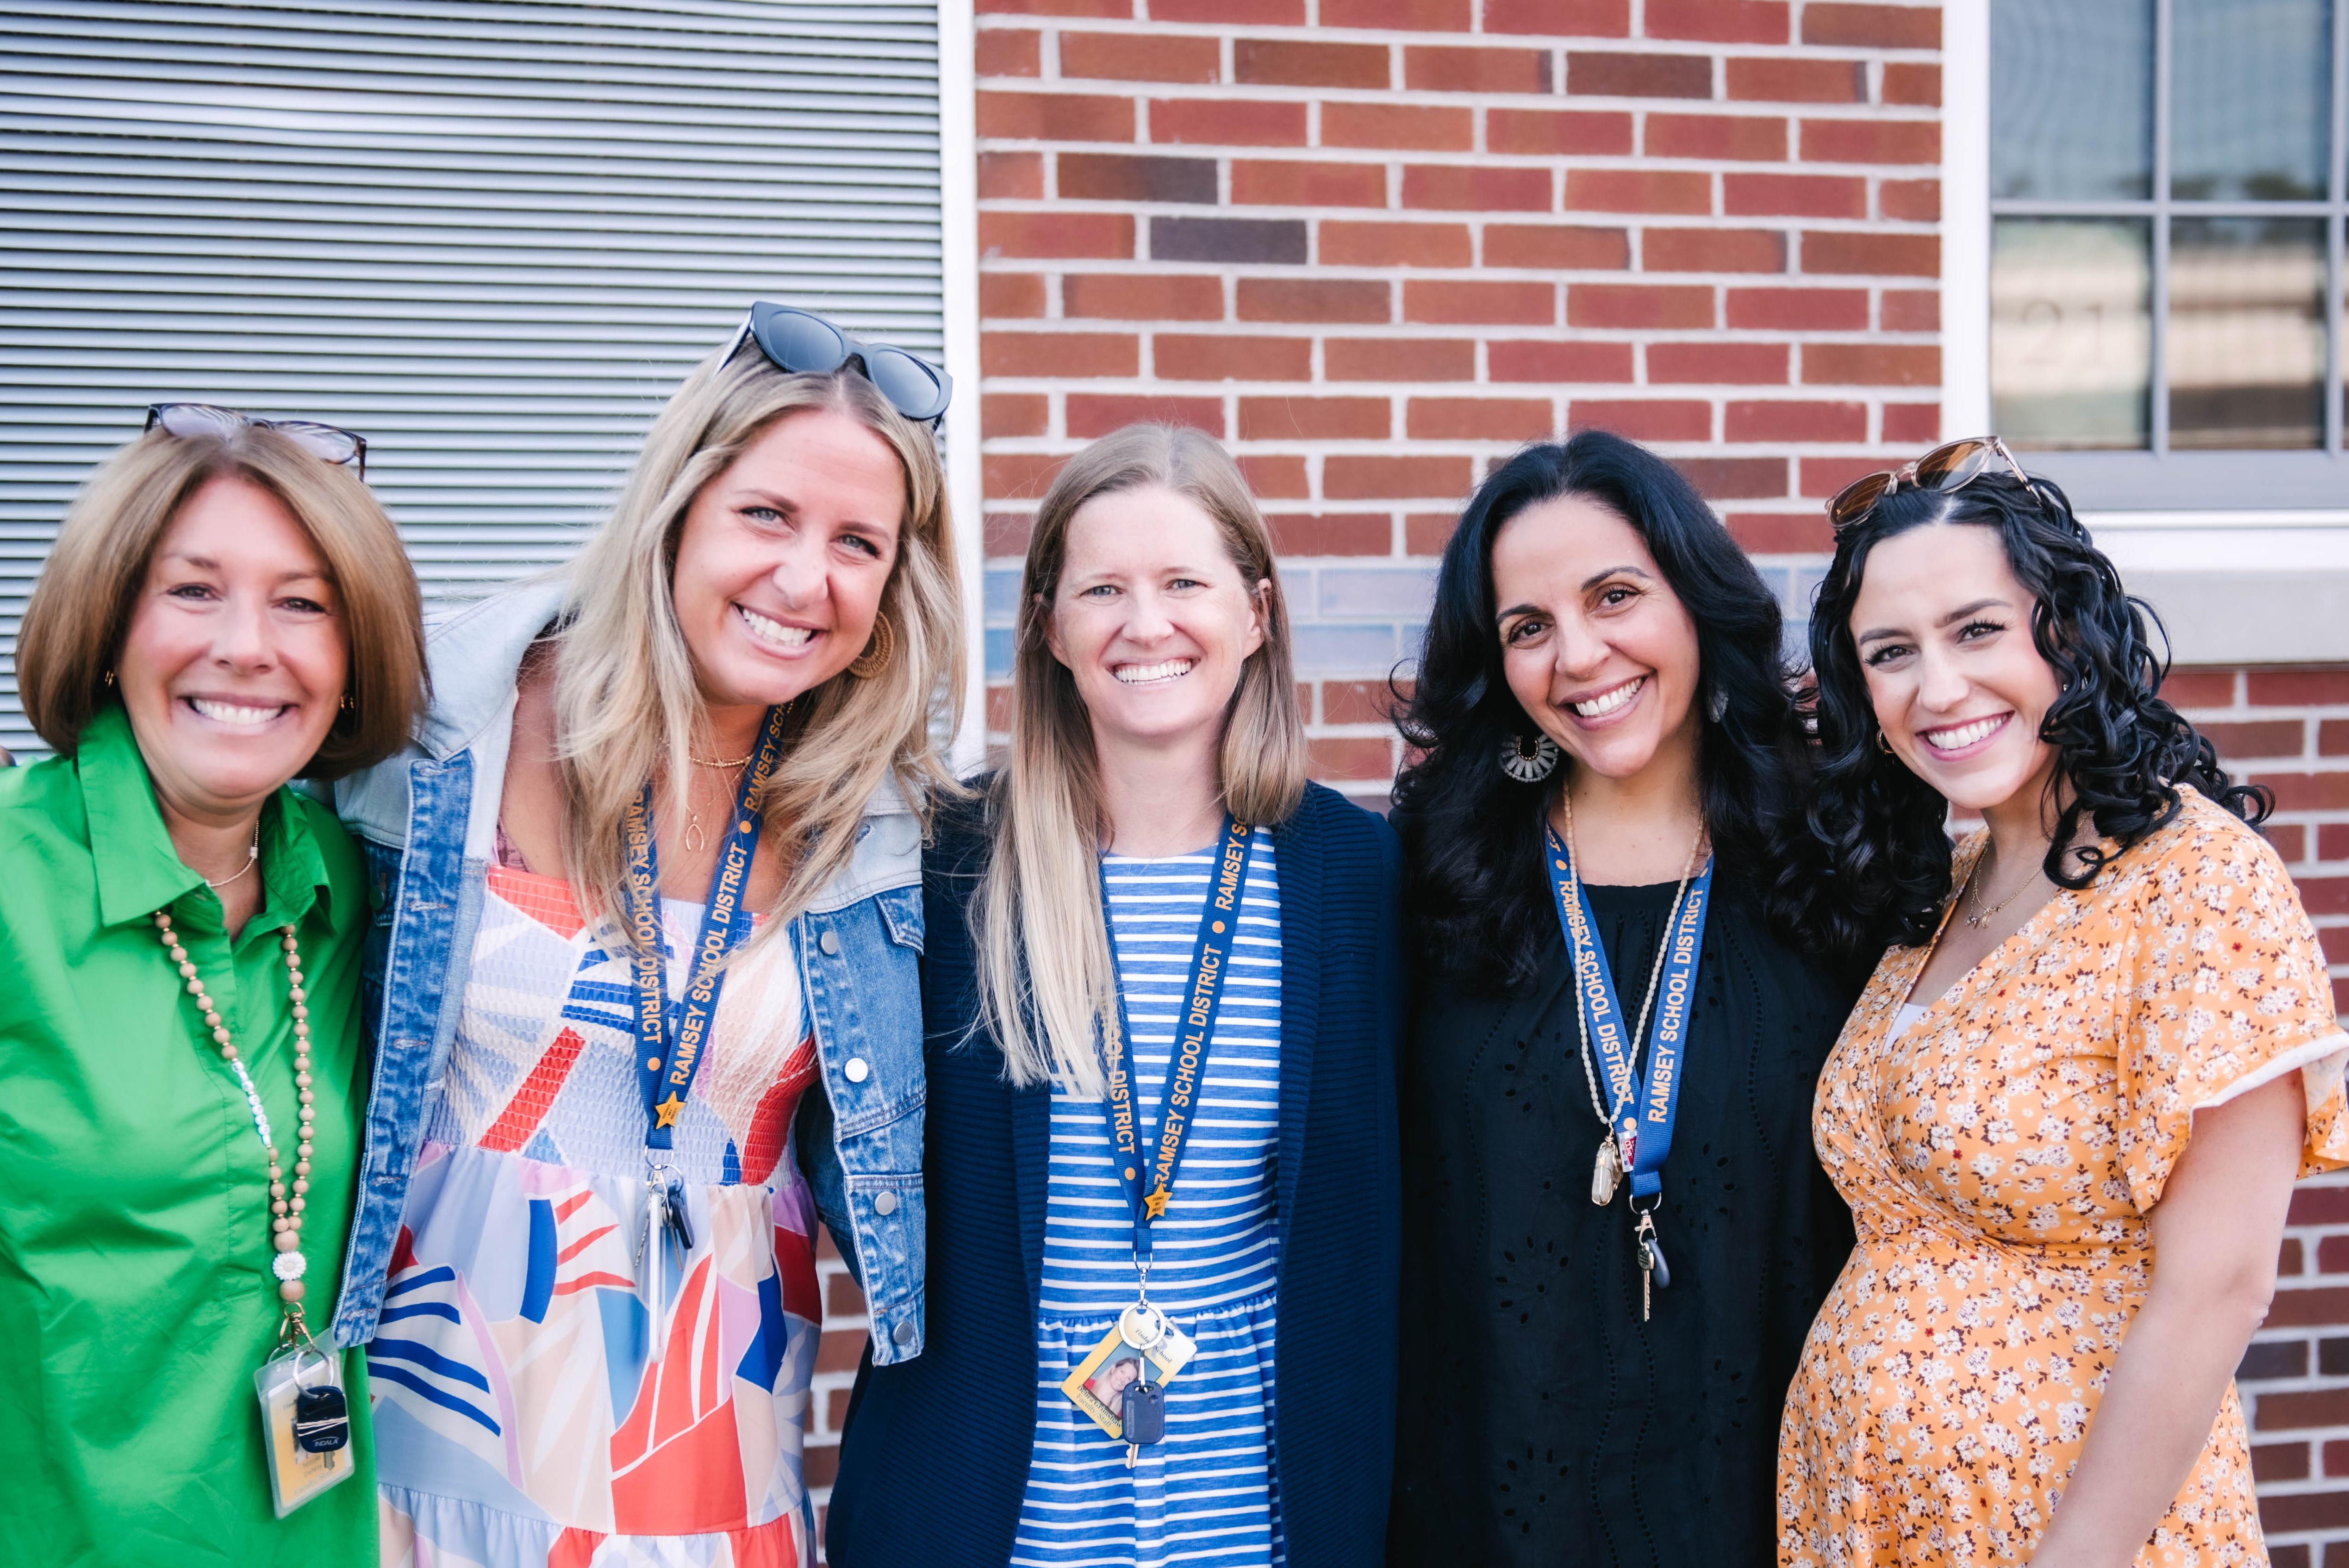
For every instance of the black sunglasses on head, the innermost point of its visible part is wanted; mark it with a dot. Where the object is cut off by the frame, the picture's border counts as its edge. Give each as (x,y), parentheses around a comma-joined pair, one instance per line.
(802,342)
(188,420)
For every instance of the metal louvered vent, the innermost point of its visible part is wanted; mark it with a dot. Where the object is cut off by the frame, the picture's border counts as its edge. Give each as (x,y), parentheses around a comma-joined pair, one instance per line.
(489,237)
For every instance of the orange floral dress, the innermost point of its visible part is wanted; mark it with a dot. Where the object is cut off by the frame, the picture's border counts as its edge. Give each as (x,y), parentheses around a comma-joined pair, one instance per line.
(2001,1157)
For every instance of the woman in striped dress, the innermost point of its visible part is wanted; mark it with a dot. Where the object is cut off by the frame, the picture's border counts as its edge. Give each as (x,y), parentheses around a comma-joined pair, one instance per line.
(1161,994)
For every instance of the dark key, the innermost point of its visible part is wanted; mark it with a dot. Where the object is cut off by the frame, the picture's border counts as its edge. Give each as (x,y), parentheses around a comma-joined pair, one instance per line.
(1141,1418)
(677,1218)
(322,1420)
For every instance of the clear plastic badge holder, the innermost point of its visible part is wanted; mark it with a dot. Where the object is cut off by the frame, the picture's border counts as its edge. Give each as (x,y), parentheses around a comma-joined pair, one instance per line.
(305,1422)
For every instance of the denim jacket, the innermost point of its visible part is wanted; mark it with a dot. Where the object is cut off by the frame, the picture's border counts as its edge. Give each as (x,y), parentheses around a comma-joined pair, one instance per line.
(428,820)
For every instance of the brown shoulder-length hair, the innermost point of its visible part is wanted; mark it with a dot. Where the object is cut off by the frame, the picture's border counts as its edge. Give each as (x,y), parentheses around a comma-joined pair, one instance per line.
(80,609)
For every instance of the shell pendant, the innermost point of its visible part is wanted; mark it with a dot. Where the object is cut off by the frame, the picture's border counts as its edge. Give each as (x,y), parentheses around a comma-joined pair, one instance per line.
(1604,1172)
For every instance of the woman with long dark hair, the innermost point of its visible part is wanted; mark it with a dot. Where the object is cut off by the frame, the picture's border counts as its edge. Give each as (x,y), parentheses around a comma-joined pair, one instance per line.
(2104,1037)
(1615,1232)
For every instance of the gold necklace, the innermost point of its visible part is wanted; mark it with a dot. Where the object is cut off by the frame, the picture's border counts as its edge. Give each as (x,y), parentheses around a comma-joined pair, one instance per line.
(695,838)
(252,857)
(1981,916)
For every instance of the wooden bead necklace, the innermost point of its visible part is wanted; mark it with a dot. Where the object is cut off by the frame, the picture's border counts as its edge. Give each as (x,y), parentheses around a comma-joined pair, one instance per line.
(285,1207)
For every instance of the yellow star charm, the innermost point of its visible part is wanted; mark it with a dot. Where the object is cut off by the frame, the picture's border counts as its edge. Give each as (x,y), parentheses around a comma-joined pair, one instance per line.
(1156,1203)
(665,1113)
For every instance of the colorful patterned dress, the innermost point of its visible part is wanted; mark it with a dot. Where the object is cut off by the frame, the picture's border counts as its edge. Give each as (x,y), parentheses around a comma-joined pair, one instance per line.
(2001,1157)
(530,1407)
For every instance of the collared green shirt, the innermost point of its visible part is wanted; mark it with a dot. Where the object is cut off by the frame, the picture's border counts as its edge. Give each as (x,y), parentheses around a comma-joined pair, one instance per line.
(136,1299)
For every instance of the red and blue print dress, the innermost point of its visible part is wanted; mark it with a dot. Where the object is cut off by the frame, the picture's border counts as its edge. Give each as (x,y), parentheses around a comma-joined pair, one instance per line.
(539,1399)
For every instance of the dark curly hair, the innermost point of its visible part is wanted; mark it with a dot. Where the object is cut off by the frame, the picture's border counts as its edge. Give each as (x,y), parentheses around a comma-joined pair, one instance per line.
(1478,899)
(2121,750)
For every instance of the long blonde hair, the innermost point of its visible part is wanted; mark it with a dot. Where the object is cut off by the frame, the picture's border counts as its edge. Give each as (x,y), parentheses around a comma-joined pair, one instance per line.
(1046,984)
(626,702)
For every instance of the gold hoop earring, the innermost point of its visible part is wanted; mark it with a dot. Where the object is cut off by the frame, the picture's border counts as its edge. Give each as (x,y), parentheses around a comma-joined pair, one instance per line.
(877,653)
(1884,744)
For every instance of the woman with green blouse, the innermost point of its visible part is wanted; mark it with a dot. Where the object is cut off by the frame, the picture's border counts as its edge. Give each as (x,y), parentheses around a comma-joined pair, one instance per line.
(181,1066)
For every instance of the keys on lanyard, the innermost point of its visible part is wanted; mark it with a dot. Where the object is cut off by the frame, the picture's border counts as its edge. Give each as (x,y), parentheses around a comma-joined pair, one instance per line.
(1142,1412)
(667,1219)
(1653,1271)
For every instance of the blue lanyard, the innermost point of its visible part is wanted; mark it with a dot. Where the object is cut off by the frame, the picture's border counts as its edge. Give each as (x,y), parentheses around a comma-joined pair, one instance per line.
(1149,1180)
(1642,1121)
(667,1059)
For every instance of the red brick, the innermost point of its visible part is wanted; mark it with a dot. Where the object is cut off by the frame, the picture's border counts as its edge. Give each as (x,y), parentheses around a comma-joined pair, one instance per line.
(1786,419)
(1282,241)
(1912,423)
(1911,200)
(1635,306)
(1560,362)
(1330,533)
(1872,26)
(1275,478)
(2308,791)
(1142,296)
(1349,477)
(1732,364)
(820,1465)
(1316,419)
(1644,418)
(2332,1254)
(1779,80)
(2302,1511)
(2333,844)
(1417,16)
(1309,63)
(2261,738)
(1475,188)
(1054,117)
(1471,70)
(1005,533)
(1290,183)
(2319,1407)
(2341,995)
(2288,1257)
(1360,702)
(1912,81)
(1593,74)
(1781,533)
(1227,122)
(2333,738)
(1007,52)
(1315,299)
(1010,293)
(1542,132)
(1481,301)
(1907,255)
(1366,244)
(2199,688)
(2290,842)
(1736,479)
(1793,195)
(1871,141)
(1556,246)
(2280,1461)
(1154,56)
(842,1297)
(1427,532)
(1798,310)
(1713,251)
(1823,476)
(1399,359)
(1638,190)
(1751,137)
(1871,364)
(1912,310)
(1010,176)
(1060,234)
(1352,757)
(1254,13)
(1014,414)
(1024,476)
(2317,1206)
(1560,18)
(1107,10)
(1481,418)
(2334,939)
(1126,177)
(1435,128)
(1179,357)
(1058,354)
(1092,414)
(2296,688)
(2325,895)
(1719,21)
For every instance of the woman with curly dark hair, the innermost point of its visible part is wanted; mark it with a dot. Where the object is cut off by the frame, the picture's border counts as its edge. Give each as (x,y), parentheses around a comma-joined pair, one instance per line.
(2106,1037)
(1615,1232)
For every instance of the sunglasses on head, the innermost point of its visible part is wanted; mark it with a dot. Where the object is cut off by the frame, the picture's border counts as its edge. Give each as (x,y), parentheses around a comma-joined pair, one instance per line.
(1951,466)
(801,342)
(193,419)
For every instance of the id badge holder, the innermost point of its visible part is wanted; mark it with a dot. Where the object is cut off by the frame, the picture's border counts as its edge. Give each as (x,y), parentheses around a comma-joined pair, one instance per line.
(305,1424)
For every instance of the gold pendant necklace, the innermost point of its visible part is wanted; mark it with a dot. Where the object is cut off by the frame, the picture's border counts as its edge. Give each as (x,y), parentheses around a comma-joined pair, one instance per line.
(1981,916)
(696,840)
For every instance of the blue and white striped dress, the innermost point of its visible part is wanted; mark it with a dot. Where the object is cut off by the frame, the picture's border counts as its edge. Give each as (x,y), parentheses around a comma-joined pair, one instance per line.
(1204,1495)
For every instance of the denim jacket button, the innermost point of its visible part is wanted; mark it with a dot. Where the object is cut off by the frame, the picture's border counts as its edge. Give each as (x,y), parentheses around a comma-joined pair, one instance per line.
(830,943)
(884,1203)
(903,1333)
(856,1070)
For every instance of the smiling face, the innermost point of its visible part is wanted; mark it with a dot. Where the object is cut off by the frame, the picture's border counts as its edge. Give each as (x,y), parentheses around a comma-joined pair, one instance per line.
(1943,633)
(783,559)
(233,663)
(1153,619)
(1596,648)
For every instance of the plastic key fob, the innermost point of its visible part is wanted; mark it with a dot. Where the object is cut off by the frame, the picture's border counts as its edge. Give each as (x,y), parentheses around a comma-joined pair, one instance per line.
(1142,1416)
(321,1420)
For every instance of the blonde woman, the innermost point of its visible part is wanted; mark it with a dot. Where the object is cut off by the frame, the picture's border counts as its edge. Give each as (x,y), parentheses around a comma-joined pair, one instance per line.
(227,609)
(1162,994)
(649,981)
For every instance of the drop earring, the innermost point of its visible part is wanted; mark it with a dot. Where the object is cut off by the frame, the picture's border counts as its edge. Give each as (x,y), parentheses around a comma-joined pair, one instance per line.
(1717,704)
(1528,766)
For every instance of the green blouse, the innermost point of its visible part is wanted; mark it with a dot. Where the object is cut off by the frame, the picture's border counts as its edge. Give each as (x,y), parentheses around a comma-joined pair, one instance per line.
(136,1301)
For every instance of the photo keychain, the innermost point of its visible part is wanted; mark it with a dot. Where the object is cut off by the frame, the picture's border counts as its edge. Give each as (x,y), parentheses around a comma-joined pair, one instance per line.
(305,1422)
(1121,1385)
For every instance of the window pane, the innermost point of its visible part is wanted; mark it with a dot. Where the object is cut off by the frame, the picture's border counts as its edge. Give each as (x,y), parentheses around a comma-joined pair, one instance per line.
(2070,331)
(2071,96)
(2246,342)
(2248,111)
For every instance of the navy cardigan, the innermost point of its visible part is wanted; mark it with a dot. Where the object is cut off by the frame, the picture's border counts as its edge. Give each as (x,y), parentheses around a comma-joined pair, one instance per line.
(933,1462)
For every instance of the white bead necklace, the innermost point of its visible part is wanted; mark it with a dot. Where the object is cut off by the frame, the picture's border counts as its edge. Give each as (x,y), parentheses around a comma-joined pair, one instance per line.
(285,1207)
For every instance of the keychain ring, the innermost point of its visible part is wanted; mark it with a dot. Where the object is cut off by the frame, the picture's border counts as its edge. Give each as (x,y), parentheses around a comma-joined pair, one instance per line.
(1151,1318)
